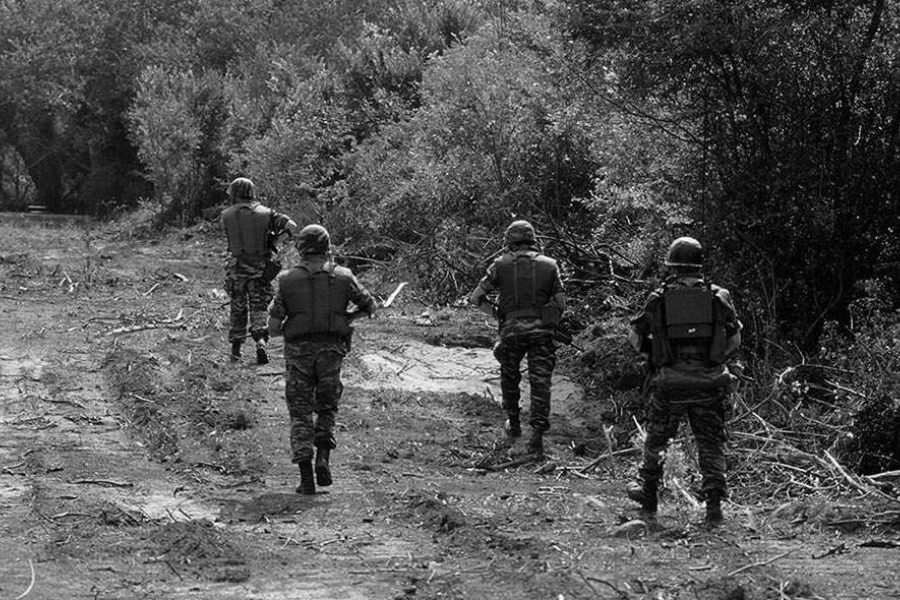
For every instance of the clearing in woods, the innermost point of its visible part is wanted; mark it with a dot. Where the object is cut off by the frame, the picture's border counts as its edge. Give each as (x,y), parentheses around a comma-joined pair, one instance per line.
(136,461)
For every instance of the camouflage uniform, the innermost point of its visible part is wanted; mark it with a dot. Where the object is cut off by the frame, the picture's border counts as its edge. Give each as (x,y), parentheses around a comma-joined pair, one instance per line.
(250,297)
(540,348)
(705,412)
(250,229)
(313,387)
(313,360)
(529,304)
(703,406)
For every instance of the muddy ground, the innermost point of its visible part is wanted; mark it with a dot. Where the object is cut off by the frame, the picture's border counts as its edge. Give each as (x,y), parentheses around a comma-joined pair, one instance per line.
(136,461)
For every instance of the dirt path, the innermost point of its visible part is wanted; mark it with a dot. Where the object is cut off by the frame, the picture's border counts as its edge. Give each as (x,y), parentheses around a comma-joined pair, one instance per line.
(135,462)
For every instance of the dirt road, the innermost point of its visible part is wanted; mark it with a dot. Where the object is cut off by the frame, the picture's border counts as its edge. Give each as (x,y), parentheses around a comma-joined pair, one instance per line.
(137,462)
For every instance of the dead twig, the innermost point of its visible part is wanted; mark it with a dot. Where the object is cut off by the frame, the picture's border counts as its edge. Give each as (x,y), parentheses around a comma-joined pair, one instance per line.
(622,594)
(607,456)
(30,585)
(144,327)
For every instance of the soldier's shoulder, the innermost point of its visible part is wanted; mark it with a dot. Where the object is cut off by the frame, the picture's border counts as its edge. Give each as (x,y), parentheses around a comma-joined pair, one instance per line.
(543,258)
(718,290)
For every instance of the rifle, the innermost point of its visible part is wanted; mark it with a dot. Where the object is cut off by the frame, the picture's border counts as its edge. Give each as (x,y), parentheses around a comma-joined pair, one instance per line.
(561,335)
(565,337)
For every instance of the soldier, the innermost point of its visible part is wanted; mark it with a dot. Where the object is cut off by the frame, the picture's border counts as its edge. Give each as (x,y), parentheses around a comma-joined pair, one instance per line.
(529,306)
(686,330)
(252,231)
(311,310)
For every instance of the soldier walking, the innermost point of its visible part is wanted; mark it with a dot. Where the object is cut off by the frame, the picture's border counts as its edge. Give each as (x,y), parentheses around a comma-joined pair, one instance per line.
(529,306)
(252,231)
(687,330)
(310,310)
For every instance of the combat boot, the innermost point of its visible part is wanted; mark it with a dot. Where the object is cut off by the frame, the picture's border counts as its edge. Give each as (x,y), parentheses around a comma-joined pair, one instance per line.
(513,427)
(323,469)
(536,444)
(235,351)
(714,516)
(307,483)
(262,357)
(646,495)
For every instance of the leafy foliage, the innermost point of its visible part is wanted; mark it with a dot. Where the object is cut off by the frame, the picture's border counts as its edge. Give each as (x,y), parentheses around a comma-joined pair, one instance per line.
(789,111)
(173,117)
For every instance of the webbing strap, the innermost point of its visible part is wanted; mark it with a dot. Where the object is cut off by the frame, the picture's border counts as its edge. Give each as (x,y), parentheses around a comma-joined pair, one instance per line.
(533,282)
(240,230)
(311,292)
(531,261)
(331,299)
(516,282)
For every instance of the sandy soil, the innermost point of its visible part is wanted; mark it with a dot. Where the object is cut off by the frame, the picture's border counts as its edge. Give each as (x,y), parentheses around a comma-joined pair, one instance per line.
(136,461)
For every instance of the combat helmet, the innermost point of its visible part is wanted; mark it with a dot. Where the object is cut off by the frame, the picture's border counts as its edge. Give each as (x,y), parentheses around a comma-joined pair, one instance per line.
(241,189)
(313,239)
(685,253)
(520,232)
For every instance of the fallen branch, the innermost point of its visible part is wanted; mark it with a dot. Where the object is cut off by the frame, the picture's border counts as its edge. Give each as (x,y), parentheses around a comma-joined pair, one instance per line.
(103,482)
(759,564)
(607,456)
(518,462)
(855,483)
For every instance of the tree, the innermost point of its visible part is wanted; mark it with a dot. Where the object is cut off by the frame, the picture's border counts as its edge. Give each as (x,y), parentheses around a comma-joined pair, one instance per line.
(792,113)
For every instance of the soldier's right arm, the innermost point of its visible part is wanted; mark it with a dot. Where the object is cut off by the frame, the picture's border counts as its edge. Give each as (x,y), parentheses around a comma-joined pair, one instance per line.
(641,328)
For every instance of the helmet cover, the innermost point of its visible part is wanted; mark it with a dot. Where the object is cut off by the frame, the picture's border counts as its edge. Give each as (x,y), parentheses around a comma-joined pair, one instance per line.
(313,239)
(520,232)
(685,252)
(241,189)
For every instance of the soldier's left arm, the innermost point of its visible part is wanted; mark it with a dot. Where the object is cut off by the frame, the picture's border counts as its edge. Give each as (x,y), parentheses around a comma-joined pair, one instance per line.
(283,224)
(557,293)
(277,313)
(361,297)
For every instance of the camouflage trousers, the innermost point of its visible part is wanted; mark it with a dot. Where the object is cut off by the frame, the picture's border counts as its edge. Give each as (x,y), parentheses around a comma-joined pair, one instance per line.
(313,389)
(706,415)
(540,349)
(250,298)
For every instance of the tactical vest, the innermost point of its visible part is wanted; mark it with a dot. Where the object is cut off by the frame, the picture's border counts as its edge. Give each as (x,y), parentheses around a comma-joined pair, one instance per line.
(315,302)
(688,326)
(247,227)
(525,280)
